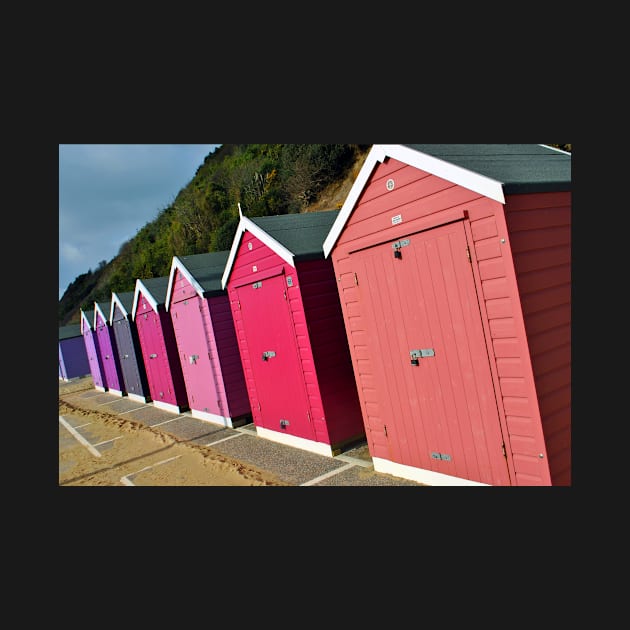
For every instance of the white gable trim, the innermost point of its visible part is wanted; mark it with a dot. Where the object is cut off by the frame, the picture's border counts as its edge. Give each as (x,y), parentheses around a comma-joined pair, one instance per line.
(547,146)
(374,157)
(116,300)
(178,264)
(84,319)
(141,288)
(450,172)
(100,310)
(247,225)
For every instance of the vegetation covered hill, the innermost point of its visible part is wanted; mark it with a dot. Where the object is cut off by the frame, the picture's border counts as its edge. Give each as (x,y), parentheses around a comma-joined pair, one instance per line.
(265,179)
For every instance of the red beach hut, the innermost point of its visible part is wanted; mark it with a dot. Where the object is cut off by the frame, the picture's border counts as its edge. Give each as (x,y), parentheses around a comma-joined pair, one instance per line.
(93,352)
(291,334)
(129,353)
(206,339)
(454,273)
(109,352)
(158,345)
(73,359)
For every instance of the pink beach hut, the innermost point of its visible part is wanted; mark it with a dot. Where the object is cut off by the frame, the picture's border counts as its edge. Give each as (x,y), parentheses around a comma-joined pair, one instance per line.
(291,333)
(158,345)
(112,373)
(93,351)
(206,340)
(453,264)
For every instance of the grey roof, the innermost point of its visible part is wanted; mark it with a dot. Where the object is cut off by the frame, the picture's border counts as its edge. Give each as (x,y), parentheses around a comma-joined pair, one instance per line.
(69,331)
(207,270)
(126,299)
(106,307)
(157,287)
(303,234)
(521,168)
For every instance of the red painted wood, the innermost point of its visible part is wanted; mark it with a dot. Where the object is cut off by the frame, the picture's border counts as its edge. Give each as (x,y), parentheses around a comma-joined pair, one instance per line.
(279,381)
(159,351)
(446,404)
(520,262)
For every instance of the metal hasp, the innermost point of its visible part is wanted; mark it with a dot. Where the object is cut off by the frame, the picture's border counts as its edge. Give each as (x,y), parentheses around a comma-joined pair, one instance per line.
(268,354)
(443,456)
(192,359)
(416,355)
(396,247)
(284,424)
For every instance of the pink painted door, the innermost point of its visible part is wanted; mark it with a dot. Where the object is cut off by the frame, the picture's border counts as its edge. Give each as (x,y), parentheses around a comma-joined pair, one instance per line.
(274,357)
(432,371)
(192,342)
(151,338)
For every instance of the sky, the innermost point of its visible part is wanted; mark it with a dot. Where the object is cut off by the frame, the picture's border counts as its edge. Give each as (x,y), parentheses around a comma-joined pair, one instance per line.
(107,192)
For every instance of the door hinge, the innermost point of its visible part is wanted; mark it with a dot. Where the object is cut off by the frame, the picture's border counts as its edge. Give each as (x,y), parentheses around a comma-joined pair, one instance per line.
(503,450)
(468,253)
(258,406)
(356,279)
(385,429)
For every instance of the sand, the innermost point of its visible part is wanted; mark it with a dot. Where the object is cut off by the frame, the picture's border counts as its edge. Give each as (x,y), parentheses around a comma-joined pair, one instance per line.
(119,452)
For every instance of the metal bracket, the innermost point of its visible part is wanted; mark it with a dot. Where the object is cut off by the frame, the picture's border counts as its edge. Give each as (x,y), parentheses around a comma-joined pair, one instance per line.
(416,355)
(268,354)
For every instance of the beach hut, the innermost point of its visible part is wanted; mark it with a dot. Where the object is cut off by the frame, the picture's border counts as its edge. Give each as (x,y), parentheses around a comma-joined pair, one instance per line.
(453,265)
(158,345)
(112,373)
(93,351)
(73,359)
(206,340)
(291,333)
(129,353)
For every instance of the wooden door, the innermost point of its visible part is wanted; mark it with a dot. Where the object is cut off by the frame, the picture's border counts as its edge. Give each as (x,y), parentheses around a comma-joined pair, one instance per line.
(420,308)
(274,357)
(194,352)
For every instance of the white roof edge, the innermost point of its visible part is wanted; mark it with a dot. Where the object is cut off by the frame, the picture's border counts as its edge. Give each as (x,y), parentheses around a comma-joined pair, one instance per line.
(376,155)
(450,172)
(178,264)
(235,244)
(248,225)
(100,310)
(116,300)
(85,319)
(141,288)
(548,146)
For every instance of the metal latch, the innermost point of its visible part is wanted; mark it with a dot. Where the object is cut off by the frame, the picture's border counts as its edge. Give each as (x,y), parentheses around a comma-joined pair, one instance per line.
(192,359)
(416,355)
(268,354)
(153,356)
(284,424)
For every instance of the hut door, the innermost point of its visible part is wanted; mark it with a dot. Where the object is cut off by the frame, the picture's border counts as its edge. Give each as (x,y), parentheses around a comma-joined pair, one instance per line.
(155,359)
(419,303)
(194,349)
(274,358)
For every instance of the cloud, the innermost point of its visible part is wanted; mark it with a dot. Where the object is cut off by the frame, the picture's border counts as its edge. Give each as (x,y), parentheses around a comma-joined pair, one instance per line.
(107,192)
